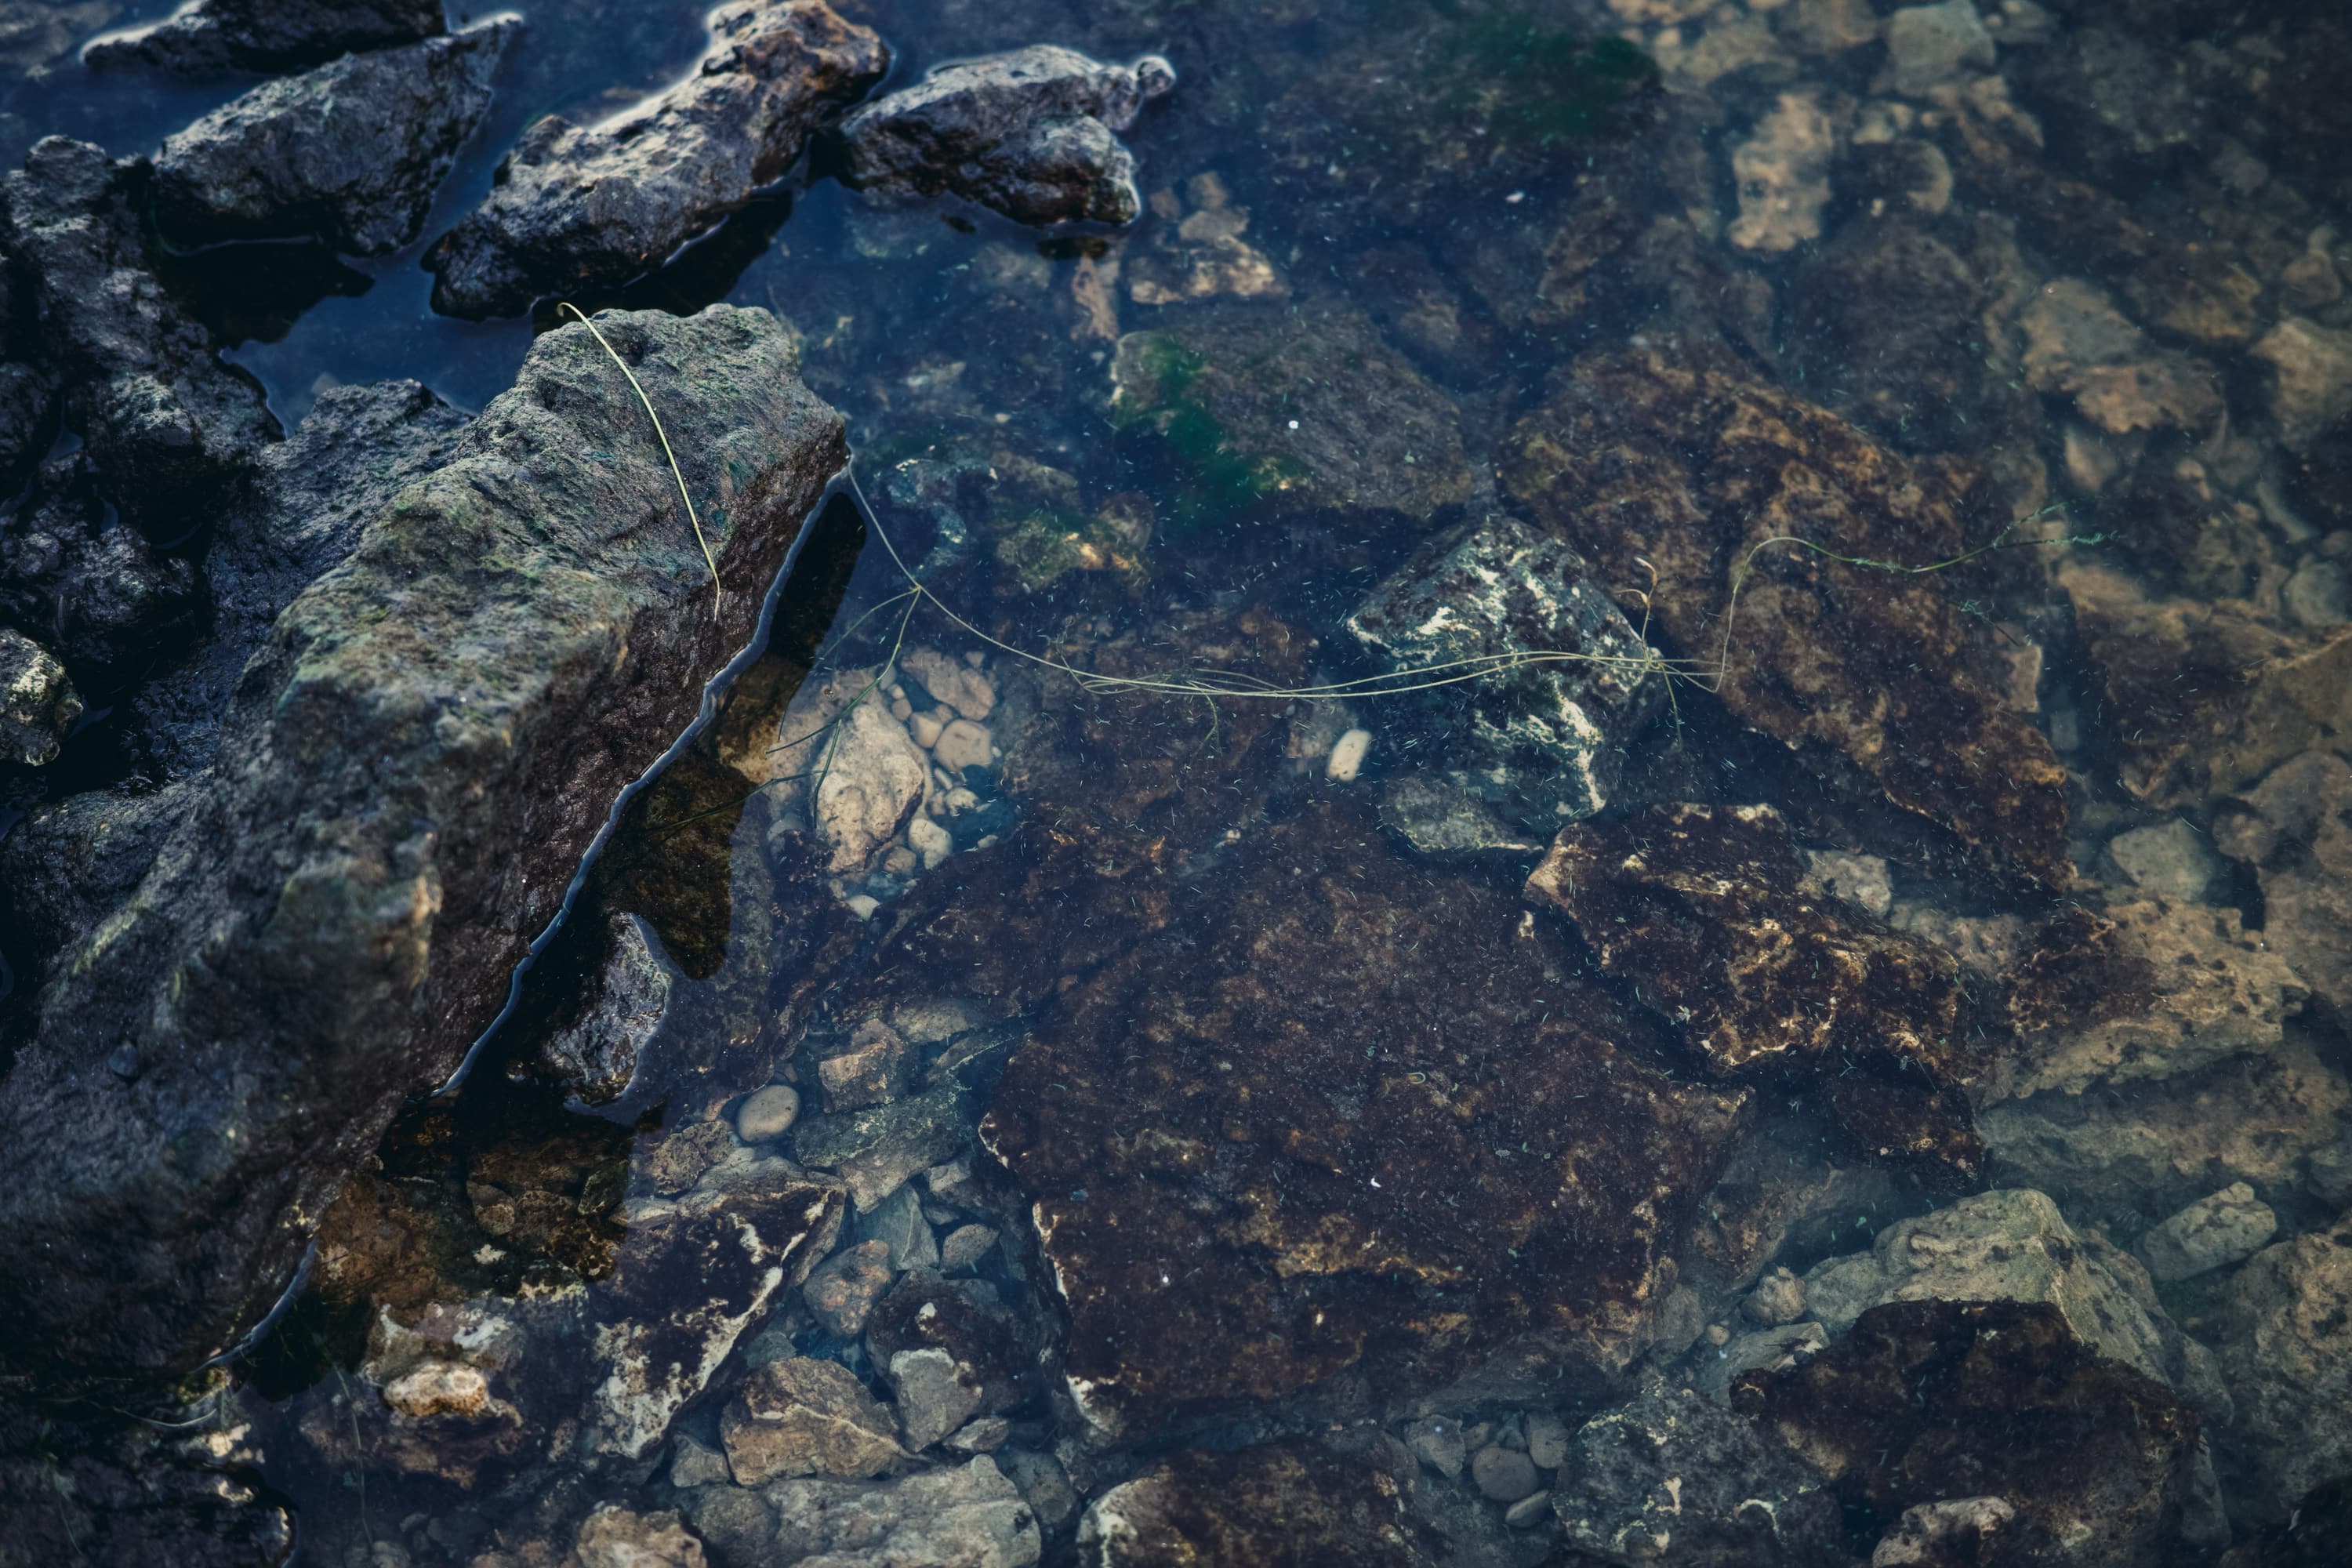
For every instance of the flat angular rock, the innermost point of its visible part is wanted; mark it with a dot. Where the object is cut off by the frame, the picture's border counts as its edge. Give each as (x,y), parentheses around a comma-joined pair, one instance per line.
(596,1053)
(1673,1469)
(969,1515)
(1028,134)
(1932,1401)
(1546,738)
(407,777)
(2284,1329)
(803,1417)
(947,1356)
(267,35)
(578,208)
(1346,1114)
(170,428)
(1280,1503)
(349,153)
(1701,905)
(2211,1233)
(1878,680)
(2296,829)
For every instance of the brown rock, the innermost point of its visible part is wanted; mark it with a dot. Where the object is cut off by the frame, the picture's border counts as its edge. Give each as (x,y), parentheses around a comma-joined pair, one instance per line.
(843,1290)
(2296,827)
(804,1417)
(1347,1113)
(1875,677)
(1291,1502)
(2285,1332)
(1700,907)
(874,1070)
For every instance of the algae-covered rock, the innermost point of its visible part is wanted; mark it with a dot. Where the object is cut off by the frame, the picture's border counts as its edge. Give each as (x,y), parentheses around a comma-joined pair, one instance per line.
(1545,735)
(1702,908)
(1346,1113)
(583,207)
(1257,413)
(409,772)
(1875,679)
(1030,134)
(350,152)
(1273,1503)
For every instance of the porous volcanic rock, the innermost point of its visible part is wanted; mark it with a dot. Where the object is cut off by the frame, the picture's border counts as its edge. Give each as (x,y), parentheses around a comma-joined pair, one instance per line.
(576,208)
(1546,737)
(409,772)
(1285,1505)
(1700,907)
(169,426)
(1349,1114)
(269,35)
(1029,134)
(1930,1402)
(1877,678)
(349,153)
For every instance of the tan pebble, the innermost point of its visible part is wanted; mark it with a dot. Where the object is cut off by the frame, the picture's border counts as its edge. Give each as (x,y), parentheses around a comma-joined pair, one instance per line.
(962,744)
(439,1388)
(926,729)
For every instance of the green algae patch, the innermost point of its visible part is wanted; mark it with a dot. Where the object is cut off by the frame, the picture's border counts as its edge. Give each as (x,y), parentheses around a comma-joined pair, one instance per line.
(1530,82)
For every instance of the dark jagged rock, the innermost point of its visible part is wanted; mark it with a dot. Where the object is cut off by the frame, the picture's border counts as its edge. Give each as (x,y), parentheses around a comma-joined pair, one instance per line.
(269,35)
(37,703)
(122,1492)
(1547,739)
(1929,1402)
(1700,906)
(1256,411)
(1875,678)
(26,395)
(349,153)
(1676,1470)
(1278,1505)
(1346,1114)
(409,772)
(574,208)
(169,426)
(1882,321)
(947,1356)
(1028,134)
(110,601)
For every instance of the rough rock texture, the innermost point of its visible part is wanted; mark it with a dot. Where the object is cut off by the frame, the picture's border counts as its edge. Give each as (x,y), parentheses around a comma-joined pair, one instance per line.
(1028,134)
(1933,1401)
(1877,678)
(613,1537)
(2284,1328)
(37,703)
(803,1417)
(597,1052)
(1545,738)
(867,775)
(576,207)
(349,153)
(2079,344)
(948,1355)
(1346,1114)
(1700,906)
(1282,1505)
(970,1516)
(409,772)
(1253,414)
(1675,1477)
(170,428)
(2295,828)
(108,602)
(269,35)
(2211,1233)
(2014,1246)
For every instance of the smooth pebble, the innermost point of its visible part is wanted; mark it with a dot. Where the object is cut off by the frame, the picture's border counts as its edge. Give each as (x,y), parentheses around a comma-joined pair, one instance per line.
(767,1113)
(1348,753)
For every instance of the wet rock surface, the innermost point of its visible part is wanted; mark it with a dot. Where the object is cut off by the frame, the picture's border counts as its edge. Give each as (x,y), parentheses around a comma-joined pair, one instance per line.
(576,207)
(1937,1402)
(1029,134)
(392,679)
(1286,1503)
(1303,1188)
(2282,1326)
(269,35)
(1877,678)
(170,429)
(1700,908)
(349,153)
(2294,828)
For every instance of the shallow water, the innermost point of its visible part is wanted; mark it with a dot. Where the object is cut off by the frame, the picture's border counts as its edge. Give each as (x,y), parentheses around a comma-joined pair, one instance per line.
(1298,1120)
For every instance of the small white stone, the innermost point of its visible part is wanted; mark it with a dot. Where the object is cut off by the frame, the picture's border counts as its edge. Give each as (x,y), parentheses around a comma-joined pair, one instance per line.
(926,729)
(929,840)
(962,744)
(863,905)
(767,1113)
(901,708)
(960,800)
(900,862)
(1348,753)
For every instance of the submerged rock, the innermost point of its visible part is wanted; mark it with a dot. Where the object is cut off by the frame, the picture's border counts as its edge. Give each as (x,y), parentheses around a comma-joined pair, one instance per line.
(269,35)
(350,154)
(1346,1114)
(1936,1401)
(1876,679)
(2296,829)
(803,1417)
(596,1053)
(578,208)
(170,428)
(969,1515)
(2284,1328)
(1293,1503)
(2211,1233)
(1547,736)
(409,772)
(1028,134)
(1702,908)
